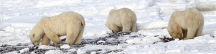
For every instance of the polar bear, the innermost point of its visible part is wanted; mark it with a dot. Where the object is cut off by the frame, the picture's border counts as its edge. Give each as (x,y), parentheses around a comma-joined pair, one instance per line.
(188,23)
(122,19)
(69,23)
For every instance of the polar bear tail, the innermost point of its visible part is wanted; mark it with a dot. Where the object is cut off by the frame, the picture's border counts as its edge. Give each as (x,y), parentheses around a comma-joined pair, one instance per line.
(83,23)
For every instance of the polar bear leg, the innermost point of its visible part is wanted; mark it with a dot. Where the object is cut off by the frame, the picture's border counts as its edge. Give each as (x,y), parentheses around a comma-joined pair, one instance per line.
(134,28)
(79,38)
(51,35)
(191,33)
(127,27)
(72,33)
(199,31)
(45,40)
(71,37)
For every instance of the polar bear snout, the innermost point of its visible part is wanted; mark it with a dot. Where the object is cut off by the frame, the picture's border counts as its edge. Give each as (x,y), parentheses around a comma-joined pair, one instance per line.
(35,44)
(112,31)
(36,47)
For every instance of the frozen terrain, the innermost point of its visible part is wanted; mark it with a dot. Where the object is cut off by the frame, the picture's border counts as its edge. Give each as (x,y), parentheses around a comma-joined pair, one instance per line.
(18,17)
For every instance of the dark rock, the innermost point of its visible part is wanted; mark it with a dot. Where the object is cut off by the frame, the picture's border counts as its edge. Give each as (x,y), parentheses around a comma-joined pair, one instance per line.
(166,39)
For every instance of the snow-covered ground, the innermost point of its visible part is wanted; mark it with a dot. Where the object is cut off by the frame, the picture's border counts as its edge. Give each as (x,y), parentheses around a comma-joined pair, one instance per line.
(17,18)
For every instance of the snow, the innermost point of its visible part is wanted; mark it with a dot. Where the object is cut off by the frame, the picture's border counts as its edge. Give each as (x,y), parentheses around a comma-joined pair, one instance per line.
(55,52)
(18,17)
(46,47)
(80,52)
(23,50)
(65,46)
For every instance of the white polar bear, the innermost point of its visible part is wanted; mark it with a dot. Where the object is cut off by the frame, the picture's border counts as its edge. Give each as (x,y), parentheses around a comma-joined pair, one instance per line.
(69,23)
(188,22)
(122,19)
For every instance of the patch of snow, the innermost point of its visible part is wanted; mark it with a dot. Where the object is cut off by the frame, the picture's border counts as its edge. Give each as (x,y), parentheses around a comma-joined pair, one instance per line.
(55,52)
(46,47)
(23,50)
(65,46)
(79,51)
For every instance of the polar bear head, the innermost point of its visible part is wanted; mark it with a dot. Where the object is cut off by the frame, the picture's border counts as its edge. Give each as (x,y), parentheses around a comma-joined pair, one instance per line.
(108,26)
(36,34)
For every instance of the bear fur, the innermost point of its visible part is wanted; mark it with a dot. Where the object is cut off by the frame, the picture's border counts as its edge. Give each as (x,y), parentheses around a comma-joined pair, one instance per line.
(122,19)
(69,23)
(186,24)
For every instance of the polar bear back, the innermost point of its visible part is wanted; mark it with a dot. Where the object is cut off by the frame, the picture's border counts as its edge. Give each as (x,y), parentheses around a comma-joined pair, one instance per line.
(185,17)
(64,21)
(123,14)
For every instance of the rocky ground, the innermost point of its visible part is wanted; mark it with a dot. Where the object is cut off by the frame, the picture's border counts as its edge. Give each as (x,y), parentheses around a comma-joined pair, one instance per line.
(111,39)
